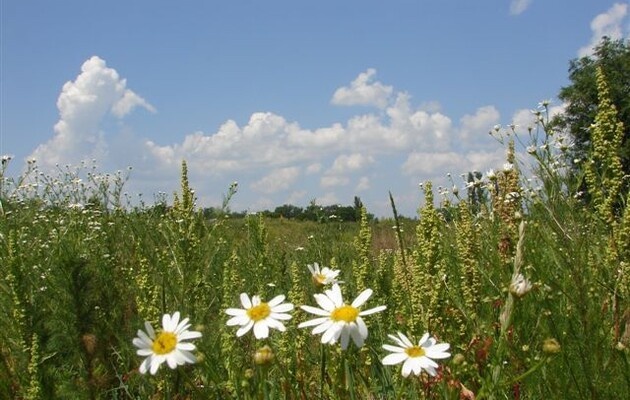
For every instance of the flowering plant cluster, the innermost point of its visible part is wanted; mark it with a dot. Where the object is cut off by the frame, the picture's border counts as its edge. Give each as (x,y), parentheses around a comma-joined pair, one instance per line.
(336,321)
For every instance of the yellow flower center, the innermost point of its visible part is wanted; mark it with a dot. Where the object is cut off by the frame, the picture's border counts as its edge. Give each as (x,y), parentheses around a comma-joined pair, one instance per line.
(319,278)
(414,351)
(344,313)
(165,343)
(259,312)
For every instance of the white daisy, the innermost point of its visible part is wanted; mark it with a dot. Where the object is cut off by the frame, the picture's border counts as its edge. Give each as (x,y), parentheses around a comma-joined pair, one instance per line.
(323,276)
(415,357)
(169,345)
(338,319)
(259,315)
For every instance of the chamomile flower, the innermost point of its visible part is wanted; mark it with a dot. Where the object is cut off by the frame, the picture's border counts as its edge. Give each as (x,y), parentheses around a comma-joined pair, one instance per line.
(323,276)
(415,358)
(338,320)
(169,346)
(259,315)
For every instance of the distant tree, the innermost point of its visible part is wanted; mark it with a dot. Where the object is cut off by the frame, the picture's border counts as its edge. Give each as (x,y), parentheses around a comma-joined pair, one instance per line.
(288,211)
(613,56)
(358,205)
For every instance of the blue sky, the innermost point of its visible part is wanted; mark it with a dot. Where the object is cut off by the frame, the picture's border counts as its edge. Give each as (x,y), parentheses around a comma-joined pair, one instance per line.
(295,100)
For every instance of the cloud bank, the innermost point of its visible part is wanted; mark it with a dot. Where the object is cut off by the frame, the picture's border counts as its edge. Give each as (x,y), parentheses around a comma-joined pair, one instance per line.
(609,23)
(394,145)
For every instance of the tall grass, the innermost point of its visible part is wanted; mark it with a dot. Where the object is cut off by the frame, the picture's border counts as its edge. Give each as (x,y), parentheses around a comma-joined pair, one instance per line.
(82,269)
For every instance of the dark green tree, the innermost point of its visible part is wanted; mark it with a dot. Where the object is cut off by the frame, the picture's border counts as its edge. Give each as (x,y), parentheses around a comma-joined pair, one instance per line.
(613,57)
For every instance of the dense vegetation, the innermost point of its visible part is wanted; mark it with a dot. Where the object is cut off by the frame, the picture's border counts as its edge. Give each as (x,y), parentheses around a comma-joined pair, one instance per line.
(528,281)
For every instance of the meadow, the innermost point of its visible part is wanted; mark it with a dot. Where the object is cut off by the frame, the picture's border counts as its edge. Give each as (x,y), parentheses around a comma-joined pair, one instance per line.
(523,271)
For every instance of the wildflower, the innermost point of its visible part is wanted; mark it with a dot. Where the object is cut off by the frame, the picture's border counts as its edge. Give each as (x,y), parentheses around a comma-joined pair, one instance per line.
(259,315)
(264,355)
(169,345)
(338,319)
(491,175)
(520,286)
(415,357)
(531,149)
(323,276)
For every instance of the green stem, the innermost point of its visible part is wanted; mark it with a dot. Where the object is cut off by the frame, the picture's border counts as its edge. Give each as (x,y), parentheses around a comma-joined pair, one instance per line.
(349,377)
(528,372)
(322,370)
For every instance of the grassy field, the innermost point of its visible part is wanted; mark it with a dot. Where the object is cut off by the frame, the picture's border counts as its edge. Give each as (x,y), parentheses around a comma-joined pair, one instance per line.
(526,278)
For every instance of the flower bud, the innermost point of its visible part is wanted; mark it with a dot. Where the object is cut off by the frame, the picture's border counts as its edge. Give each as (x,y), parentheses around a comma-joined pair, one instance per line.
(551,346)
(264,356)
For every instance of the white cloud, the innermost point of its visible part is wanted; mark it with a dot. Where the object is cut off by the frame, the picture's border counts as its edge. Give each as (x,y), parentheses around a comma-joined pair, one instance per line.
(434,164)
(268,154)
(327,181)
(128,102)
(363,185)
(83,104)
(519,6)
(609,23)
(328,199)
(474,128)
(313,168)
(296,197)
(349,163)
(421,163)
(277,180)
(363,91)
(524,119)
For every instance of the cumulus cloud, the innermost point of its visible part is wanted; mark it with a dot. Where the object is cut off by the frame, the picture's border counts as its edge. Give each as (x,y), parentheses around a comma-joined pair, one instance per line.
(609,23)
(363,91)
(474,128)
(277,180)
(432,164)
(275,159)
(350,162)
(97,92)
(519,6)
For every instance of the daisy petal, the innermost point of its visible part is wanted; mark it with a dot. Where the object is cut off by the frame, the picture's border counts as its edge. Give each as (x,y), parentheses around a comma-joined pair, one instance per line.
(245,328)
(261,329)
(373,310)
(362,298)
(245,301)
(313,322)
(276,300)
(395,358)
(282,308)
(316,311)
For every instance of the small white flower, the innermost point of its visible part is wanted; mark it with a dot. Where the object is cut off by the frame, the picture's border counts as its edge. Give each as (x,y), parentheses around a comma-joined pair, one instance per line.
(520,286)
(323,276)
(531,149)
(169,345)
(259,315)
(415,358)
(338,320)
(508,167)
